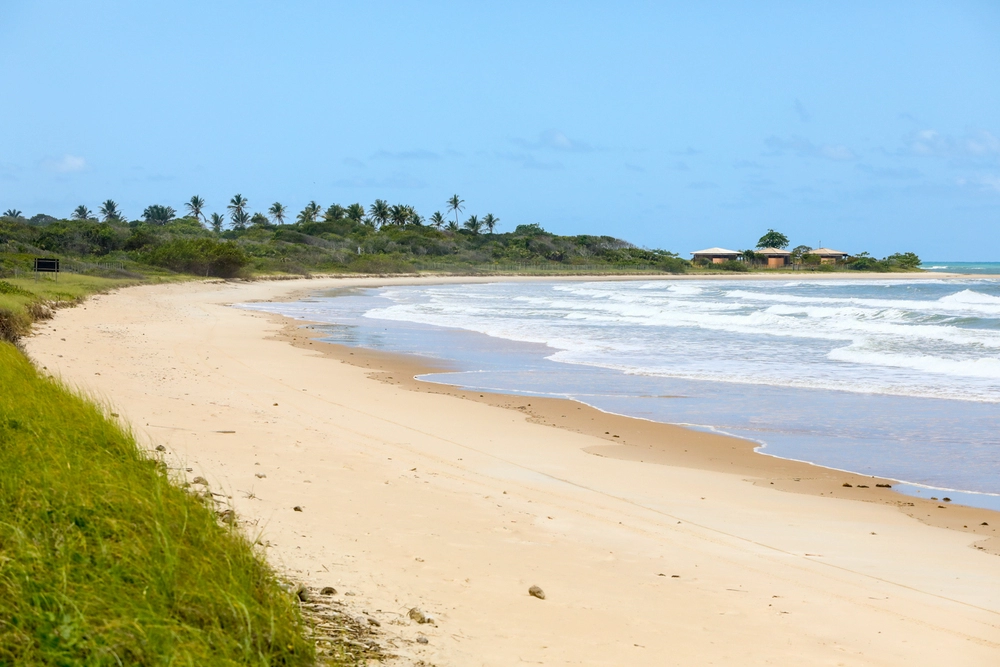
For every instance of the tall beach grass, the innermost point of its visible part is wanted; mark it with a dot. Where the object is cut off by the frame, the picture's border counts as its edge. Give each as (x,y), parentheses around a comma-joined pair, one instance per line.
(104,561)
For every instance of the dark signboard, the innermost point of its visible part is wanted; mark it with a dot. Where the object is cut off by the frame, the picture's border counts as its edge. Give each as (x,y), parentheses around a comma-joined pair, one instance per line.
(47,265)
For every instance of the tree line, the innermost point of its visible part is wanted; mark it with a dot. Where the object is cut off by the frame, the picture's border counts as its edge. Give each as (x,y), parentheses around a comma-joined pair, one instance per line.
(377,215)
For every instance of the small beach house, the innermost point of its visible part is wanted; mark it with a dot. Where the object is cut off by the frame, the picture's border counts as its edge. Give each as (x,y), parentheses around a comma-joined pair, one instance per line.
(828,256)
(775,256)
(715,255)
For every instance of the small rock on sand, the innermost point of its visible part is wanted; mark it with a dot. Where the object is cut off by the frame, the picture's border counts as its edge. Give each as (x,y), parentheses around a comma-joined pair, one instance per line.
(303,593)
(161,448)
(422,640)
(536,592)
(420,617)
(200,480)
(260,475)
(846,484)
(228,516)
(328,590)
(297,508)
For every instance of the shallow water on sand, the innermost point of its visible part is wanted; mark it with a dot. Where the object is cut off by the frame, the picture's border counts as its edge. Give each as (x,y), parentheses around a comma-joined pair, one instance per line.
(896,381)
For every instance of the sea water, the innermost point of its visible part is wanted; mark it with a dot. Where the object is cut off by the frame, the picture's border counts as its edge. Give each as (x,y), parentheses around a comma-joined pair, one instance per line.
(895,378)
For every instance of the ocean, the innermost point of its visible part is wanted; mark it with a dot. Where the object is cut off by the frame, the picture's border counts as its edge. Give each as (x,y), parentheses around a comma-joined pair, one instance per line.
(895,378)
(971,268)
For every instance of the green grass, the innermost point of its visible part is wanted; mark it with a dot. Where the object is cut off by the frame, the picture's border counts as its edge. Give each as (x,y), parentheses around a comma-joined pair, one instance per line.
(104,561)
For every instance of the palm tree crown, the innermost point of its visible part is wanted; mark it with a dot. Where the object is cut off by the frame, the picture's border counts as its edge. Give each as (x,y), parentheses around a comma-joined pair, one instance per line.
(356,212)
(81,212)
(455,206)
(238,211)
(217,222)
(195,205)
(379,211)
(277,213)
(109,211)
(309,213)
(490,222)
(473,224)
(437,220)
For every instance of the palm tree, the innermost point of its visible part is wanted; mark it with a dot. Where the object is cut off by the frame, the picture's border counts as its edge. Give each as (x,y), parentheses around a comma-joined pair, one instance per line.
(309,213)
(240,219)
(195,206)
(399,214)
(237,210)
(81,212)
(277,213)
(473,224)
(455,206)
(356,212)
(13,213)
(414,218)
(109,211)
(158,215)
(259,220)
(490,222)
(379,212)
(217,222)
(334,212)
(437,220)
(452,226)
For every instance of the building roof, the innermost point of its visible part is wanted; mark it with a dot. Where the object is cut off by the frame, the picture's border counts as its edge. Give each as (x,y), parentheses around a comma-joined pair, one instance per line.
(827,252)
(772,251)
(716,251)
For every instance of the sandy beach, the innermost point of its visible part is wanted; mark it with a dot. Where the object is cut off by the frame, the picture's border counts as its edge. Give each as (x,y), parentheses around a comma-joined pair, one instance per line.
(659,546)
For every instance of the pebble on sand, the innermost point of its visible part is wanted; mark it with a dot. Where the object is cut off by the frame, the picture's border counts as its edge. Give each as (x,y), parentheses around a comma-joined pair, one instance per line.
(537,592)
(297,508)
(420,617)
(200,480)
(328,590)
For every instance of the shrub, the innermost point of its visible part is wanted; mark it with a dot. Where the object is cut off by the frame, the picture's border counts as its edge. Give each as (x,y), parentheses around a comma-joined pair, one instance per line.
(673,265)
(203,257)
(733,265)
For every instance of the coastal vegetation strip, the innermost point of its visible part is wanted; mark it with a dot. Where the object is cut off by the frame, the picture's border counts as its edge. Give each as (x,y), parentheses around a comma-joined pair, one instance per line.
(381,238)
(103,560)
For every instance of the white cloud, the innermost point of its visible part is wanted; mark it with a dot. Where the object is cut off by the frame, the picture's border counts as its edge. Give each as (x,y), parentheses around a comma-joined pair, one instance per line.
(68,164)
(976,144)
(805,148)
(554,140)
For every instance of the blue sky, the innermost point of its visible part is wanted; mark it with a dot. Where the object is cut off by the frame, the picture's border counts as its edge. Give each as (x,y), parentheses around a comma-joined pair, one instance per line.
(862,125)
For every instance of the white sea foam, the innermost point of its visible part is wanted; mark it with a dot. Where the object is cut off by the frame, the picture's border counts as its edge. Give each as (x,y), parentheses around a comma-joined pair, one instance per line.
(927,338)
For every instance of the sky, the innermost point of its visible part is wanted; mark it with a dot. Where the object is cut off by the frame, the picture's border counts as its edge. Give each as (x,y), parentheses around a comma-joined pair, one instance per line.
(863,126)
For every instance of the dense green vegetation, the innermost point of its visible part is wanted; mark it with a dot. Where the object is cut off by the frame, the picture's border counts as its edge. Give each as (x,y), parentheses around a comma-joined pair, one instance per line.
(382,238)
(103,561)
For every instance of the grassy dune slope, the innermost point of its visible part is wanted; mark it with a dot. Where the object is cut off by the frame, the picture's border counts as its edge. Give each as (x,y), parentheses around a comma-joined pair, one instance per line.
(104,562)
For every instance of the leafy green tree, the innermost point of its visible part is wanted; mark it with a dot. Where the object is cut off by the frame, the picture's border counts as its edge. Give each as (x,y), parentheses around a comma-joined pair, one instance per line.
(773,239)
(81,212)
(237,211)
(379,212)
(473,224)
(437,220)
(195,205)
(749,256)
(158,215)
(309,213)
(800,251)
(356,212)
(490,222)
(903,260)
(109,211)
(277,213)
(217,222)
(455,206)
(334,212)
(259,220)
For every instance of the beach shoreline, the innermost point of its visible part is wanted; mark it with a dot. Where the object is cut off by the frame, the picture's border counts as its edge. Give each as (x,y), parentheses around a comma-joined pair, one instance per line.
(411,494)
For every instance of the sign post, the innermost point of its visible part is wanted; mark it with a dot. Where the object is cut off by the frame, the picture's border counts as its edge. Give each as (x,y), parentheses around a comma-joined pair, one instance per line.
(46,265)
